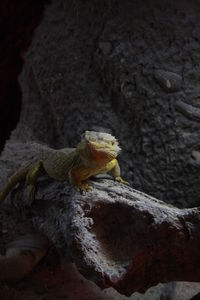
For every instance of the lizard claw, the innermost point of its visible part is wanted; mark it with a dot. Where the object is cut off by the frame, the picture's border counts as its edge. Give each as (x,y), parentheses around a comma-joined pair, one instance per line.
(83,187)
(119,179)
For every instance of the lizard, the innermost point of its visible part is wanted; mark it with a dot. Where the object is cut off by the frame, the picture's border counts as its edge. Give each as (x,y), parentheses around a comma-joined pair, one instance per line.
(96,153)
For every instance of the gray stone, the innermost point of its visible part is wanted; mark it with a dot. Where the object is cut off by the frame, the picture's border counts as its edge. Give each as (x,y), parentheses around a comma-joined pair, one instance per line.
(169,81)
(105,47)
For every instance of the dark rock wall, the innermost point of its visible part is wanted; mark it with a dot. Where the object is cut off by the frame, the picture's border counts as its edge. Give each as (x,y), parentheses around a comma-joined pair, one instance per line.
(127,66)
(131,67)
(148,57)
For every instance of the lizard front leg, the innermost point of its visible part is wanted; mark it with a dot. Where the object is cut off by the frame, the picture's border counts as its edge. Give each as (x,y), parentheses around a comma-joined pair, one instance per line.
(77,178)
(31,178)
(115,173)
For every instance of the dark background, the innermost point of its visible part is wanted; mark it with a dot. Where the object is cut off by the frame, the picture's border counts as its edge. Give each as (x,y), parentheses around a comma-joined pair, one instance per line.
(18,19)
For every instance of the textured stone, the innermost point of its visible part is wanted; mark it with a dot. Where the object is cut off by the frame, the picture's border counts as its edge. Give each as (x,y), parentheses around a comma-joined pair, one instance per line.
(171,82)
(70,85)
(118,237)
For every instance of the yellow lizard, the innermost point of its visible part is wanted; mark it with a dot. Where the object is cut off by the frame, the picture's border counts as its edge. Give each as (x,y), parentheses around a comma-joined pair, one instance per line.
(96,153)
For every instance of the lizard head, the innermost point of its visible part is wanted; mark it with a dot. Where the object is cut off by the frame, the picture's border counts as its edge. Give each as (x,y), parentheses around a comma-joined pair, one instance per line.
(98,147)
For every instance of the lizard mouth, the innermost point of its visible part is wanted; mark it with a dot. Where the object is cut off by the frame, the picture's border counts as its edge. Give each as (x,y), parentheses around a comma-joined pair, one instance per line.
(102,150)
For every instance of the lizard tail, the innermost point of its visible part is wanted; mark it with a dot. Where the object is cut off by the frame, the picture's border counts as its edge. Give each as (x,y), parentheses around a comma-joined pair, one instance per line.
(12,181)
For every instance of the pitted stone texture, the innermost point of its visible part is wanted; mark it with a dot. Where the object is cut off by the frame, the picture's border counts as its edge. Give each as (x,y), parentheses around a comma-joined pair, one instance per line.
(169,81)
(94,66)
(155,41)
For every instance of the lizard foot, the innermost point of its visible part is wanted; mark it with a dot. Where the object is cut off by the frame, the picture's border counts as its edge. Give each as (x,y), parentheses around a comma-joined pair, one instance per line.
(119,179)
(83,187)
(22,255)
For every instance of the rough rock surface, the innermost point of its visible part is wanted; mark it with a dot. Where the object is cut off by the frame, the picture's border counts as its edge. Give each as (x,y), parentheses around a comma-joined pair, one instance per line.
(163,127)
(99,62)
(118,237)
(93,66)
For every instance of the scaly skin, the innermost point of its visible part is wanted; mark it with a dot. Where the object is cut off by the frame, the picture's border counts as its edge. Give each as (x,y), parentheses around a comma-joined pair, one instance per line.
(95,154)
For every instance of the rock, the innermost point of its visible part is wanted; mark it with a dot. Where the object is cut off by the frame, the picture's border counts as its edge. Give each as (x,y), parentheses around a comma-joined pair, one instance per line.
(189,111)
(169,81)
(105,47)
